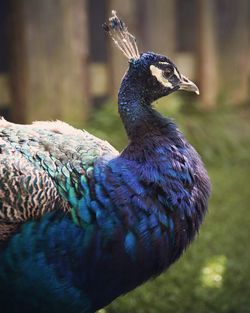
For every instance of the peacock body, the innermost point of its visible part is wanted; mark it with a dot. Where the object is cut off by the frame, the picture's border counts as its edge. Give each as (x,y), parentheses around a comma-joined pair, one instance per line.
(81,223)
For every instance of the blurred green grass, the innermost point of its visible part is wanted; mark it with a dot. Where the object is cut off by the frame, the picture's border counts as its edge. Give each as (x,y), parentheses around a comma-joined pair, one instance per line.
(214,274)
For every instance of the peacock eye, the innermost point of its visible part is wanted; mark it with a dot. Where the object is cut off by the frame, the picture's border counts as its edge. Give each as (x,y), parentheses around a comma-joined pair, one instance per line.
(168,72)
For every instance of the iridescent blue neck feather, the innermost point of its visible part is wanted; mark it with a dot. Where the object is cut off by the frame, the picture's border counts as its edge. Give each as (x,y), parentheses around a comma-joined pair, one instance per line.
(136,96)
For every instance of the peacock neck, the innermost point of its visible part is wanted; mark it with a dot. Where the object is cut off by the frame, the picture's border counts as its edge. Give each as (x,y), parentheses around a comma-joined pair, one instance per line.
(139,118)
(134,108)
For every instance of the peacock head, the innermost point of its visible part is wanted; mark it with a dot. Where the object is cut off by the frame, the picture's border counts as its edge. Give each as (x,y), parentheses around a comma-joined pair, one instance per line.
(154,74)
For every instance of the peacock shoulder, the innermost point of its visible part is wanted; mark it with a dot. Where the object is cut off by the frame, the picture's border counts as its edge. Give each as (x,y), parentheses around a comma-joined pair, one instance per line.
(43,167)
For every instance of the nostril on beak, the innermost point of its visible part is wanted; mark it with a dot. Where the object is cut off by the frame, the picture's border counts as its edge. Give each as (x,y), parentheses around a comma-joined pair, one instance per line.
(188,85)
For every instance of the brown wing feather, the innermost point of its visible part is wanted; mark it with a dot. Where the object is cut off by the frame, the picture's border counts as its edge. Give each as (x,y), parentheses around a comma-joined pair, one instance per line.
(36,162)
(26,192)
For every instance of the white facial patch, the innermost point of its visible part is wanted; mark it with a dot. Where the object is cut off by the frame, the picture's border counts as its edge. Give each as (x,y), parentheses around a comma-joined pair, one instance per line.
(155,71)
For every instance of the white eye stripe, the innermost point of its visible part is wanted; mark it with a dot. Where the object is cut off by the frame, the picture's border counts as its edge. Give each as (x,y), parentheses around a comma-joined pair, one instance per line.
(166,63)
(176,73)
(155,71)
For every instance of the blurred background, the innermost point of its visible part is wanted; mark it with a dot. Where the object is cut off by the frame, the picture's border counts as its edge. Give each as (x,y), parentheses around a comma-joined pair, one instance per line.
(57,63)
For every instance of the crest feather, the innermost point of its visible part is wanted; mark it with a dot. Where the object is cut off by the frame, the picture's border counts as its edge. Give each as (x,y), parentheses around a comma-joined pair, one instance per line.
(121,37)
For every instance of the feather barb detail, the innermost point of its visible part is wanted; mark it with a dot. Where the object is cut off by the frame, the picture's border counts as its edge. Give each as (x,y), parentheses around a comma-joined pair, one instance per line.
(121,37)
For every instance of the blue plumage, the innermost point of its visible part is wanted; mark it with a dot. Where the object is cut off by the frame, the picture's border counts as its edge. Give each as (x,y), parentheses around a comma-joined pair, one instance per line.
(81,224)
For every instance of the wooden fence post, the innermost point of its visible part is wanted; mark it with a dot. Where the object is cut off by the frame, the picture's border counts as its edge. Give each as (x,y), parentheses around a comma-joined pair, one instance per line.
(18,62)
(157,27)
(206,54)
(52,67)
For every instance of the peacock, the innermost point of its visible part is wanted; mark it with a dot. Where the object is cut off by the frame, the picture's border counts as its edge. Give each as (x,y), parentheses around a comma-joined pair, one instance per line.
(81,223)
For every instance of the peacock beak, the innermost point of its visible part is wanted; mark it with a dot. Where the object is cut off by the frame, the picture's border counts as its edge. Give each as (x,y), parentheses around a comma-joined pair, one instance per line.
(188,85)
